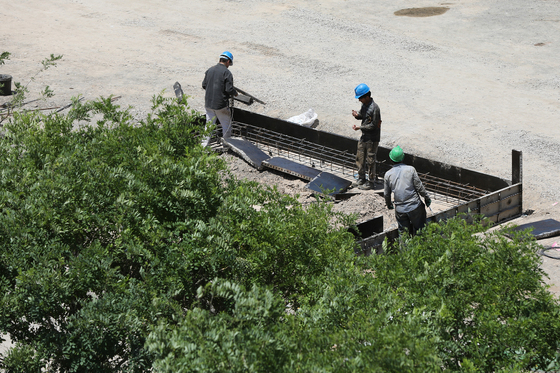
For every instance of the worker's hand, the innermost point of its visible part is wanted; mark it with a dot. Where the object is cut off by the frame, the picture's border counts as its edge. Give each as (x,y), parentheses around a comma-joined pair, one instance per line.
(355,128)
(428,201)
(354,113)
(390,206)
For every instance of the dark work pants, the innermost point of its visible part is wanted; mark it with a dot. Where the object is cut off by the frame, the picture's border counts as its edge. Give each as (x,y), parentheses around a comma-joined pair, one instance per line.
(366,158)
(412,221)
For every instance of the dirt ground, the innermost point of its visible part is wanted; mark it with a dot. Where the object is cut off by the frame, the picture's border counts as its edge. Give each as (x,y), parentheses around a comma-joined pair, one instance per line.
(462,82)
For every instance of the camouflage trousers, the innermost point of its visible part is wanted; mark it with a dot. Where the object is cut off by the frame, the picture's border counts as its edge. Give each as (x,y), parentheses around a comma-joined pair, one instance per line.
(366,158)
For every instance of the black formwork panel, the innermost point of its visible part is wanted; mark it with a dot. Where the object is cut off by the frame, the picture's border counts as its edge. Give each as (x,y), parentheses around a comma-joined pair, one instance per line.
(292,168)
(330,140)
(246,150)
(342,143)
(542,228)
(368,228)
(326,181)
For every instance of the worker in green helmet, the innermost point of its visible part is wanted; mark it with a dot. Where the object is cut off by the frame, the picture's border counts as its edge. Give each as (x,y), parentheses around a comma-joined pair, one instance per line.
(403,181)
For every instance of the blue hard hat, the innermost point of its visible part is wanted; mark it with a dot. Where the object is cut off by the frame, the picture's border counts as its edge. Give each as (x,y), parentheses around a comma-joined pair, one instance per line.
(360,90)
(227,55)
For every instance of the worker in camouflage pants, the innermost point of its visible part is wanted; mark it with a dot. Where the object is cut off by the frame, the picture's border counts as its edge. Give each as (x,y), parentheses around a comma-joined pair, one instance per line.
(366,154)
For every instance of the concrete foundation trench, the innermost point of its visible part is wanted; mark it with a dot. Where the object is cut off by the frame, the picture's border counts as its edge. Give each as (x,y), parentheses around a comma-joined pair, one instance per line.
(327,162)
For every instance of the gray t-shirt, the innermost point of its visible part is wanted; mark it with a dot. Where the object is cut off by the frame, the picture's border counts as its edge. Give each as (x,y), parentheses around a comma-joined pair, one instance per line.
(403,181)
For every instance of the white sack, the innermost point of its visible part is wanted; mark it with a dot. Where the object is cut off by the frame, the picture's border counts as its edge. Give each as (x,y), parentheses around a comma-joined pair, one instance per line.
(305,119)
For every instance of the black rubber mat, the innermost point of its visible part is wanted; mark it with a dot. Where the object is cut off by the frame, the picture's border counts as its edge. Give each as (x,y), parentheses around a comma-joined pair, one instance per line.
(326,182)
(246,150)
(542,228)
(292,168)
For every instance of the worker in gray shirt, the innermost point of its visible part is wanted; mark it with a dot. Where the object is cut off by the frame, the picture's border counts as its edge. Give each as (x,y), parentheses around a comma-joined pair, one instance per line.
(403,181)
(218,83)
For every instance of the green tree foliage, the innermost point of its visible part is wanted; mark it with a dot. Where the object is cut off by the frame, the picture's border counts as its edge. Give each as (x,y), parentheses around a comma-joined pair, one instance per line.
(482,295)
(93,221)
(128,247)
(110,226)
(259,335)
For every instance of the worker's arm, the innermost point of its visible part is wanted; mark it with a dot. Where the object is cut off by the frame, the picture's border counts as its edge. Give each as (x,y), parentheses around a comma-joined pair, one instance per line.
(387,194)
(228,86)
(205,80)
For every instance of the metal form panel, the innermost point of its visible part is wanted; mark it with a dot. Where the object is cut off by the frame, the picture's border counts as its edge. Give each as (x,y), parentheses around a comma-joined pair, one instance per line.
(344,196)
(542,229)
(490,207)
(502,204)
(470,209)
(292,168)
(516,166)
(444,215)
(510,207)
(372,244)
(328,182)
(246,150)
(368,228)
(499,206)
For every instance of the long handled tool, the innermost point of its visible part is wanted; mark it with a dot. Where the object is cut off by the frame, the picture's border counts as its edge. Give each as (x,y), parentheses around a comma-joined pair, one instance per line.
(249,95)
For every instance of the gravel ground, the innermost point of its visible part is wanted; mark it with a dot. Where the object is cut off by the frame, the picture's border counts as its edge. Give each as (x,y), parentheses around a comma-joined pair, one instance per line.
(464,87)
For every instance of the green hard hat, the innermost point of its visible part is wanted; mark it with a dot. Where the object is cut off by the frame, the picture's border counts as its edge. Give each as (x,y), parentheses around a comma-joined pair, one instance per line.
(396,154)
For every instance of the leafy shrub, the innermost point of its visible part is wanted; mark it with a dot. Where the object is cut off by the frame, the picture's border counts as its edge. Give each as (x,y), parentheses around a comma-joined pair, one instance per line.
(258,335)
(93,227)
(128,247)
(108,227)
(482,295)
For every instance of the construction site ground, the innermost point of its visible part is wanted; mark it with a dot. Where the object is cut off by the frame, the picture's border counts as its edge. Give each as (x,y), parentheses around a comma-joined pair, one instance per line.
(462,82)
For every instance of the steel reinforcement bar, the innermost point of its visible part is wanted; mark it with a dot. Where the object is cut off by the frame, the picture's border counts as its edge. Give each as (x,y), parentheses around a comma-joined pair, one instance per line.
(342,162)
(298,149)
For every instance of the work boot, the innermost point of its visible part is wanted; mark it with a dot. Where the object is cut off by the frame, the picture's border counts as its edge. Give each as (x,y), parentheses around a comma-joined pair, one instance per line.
(367,186)
(358,182)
